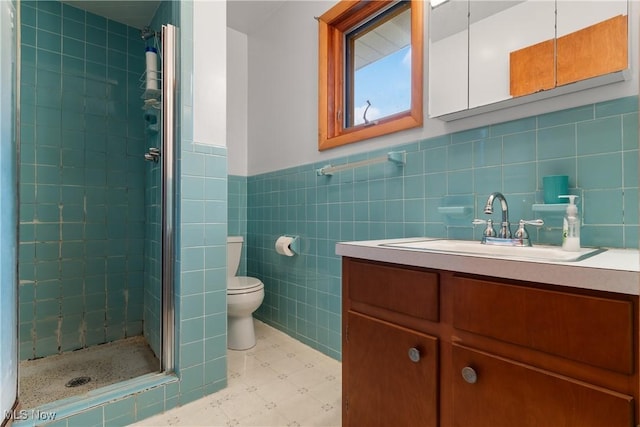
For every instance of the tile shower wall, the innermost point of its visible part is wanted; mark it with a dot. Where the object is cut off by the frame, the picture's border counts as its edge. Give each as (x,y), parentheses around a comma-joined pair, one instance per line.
(82,180)
(152,286)
(596,145)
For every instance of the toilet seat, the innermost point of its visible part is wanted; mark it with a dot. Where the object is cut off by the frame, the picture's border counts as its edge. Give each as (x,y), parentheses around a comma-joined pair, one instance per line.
(243,285)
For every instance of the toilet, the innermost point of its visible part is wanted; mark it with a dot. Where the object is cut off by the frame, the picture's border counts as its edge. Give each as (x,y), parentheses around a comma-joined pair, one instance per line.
(244,296)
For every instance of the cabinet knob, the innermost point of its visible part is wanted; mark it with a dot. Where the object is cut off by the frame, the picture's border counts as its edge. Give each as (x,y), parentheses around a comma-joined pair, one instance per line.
(414,354)
(469,374)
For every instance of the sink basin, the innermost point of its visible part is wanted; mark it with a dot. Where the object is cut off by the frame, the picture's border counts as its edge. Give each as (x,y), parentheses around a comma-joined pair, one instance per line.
(466,247)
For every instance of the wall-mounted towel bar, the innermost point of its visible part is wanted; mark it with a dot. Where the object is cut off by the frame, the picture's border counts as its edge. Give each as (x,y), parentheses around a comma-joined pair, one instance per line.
(397,157)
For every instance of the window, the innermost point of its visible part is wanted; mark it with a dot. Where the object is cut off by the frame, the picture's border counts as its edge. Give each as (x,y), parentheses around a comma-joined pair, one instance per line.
(370,70)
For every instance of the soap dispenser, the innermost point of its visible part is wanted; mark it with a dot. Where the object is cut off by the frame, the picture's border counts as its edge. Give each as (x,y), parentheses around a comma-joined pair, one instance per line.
(571,226)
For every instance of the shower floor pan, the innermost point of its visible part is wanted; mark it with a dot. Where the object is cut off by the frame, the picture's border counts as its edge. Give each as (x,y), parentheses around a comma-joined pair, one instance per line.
(65,375)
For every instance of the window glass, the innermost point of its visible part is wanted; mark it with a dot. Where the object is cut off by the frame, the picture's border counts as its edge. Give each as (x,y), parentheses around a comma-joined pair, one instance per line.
(379,58)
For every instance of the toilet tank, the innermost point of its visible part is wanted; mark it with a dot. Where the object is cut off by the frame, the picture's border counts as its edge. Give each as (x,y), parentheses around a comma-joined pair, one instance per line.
(234,251)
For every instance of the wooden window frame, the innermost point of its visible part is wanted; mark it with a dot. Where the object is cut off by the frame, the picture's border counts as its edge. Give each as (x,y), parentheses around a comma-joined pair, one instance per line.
(333,24)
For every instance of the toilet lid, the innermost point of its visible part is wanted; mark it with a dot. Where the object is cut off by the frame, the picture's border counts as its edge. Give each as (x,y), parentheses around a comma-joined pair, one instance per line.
(243,285)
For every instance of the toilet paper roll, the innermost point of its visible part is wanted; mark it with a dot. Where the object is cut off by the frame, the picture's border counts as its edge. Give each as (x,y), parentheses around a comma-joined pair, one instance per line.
(282,246)
(151,56)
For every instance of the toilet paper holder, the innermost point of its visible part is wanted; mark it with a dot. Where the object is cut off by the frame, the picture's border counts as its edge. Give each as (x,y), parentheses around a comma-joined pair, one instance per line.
(294,244)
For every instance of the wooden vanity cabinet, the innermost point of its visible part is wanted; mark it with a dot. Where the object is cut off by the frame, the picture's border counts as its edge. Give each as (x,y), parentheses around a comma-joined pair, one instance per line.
(491,352)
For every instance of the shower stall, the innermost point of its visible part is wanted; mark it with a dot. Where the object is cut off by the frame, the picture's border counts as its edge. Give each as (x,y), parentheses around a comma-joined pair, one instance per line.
(96,173)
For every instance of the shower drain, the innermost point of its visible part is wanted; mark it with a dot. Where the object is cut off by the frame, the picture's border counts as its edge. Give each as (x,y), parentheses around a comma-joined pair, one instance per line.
(78,381)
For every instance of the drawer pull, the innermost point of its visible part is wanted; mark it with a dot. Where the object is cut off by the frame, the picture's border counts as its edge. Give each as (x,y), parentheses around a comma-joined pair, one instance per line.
(469,375)
(414,354)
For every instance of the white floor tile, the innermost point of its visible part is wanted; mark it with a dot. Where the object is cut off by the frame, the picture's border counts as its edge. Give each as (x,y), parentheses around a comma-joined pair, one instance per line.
(269,416)
(301,408)
(287,365)
(280,382)
(277,391)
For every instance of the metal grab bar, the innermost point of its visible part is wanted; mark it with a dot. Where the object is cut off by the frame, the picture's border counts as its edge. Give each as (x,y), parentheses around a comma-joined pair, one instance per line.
(397,157)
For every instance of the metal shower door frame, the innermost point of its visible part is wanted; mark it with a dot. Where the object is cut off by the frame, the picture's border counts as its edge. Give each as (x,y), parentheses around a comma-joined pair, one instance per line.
(169,79)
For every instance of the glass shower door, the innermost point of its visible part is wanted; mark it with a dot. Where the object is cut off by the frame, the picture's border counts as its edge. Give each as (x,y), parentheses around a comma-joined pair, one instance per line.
(159,204)
(8,207)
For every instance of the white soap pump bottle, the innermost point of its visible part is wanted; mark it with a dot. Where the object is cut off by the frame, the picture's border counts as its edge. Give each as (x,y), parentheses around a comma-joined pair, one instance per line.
(571,226)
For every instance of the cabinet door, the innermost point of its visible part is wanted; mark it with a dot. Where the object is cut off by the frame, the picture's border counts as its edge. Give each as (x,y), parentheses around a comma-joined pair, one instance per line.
(382,385)
(499,392)
(496,29)
(592,39)
(449,58)
(574,15)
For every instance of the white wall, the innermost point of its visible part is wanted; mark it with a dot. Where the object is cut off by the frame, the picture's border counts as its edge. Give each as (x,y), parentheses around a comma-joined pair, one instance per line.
(209,72)
(237,102)
(283,78)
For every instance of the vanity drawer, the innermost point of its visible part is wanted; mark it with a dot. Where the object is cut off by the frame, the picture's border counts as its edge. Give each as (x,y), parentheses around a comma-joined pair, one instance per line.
(409,291)
(594,330)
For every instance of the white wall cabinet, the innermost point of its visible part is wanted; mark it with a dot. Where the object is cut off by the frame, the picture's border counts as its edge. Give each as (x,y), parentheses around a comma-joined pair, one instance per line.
(469,65)
(574,15)
(449,58)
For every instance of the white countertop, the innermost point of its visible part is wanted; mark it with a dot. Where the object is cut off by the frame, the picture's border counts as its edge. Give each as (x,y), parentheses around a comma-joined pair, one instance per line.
(615,270)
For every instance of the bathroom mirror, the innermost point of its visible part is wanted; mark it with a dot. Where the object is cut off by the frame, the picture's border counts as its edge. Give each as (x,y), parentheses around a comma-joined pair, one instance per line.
(496,29)
(448,57)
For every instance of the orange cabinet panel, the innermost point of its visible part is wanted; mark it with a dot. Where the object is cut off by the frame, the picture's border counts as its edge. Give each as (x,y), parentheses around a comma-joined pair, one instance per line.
(532,69)
(593,51)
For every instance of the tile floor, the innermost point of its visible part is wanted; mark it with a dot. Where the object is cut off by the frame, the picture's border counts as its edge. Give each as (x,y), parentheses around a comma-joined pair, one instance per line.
(279,382)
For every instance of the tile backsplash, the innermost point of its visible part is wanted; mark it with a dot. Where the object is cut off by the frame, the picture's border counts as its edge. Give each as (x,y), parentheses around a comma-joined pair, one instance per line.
(596,145)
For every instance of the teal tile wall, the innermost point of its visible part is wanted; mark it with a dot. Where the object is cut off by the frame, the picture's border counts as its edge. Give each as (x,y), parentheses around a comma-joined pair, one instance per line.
(237,224)
(167,13)
(201,286)
(82,218)
(201,294)
(596,145)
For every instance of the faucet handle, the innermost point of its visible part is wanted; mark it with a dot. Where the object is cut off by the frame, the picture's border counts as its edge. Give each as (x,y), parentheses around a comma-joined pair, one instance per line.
(489,231)
(522,234)
(536,222)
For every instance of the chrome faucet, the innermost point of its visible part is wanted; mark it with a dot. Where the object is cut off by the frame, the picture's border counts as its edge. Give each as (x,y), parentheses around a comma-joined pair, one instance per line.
(505,227)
